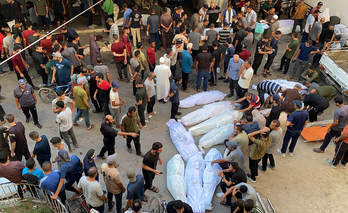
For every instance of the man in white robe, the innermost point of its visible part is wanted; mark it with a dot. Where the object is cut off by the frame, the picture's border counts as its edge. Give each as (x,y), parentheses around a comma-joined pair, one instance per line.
(162,73)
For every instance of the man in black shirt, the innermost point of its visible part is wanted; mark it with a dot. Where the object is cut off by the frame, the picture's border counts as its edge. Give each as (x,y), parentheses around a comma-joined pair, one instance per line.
(275,110)
(174,97)
(204,65)
(110,134)
(17,9)
(178,206)
(217,55)
(213,13)
(149,166)
(261,49)
(141,98)
(92,88)
(3,140)
(315,103)
(40,61)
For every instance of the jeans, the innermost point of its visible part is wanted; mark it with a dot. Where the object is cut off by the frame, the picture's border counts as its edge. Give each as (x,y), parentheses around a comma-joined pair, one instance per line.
(42,20)
(174,110)
(26,76)
(105,107)
(117,115)
(253,166)
(257,63)
(148,177)
(85,113)
(118,198)
(66,135)
(290,135)
(33,111)
(141,113)
(136,35)
(298,68)
(285,62)
(136,142)
(108,147)
(304,37)
(241,92)
(173,69)
(341,154)
(155,37)
(213,77)
(151,104)
(264,161)
(121,66)
(297,22)
(97,103)
(205,76)
(166,39)
(233,86)
(185,79)
(328,138)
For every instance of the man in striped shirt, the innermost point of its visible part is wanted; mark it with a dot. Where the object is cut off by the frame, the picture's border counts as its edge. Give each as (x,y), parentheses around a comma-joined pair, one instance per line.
(222,36)
(249,102)
(270,88)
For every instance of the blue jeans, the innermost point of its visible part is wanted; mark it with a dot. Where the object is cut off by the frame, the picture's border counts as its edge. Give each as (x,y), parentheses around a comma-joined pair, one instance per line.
(205,76)
(328,138)
(290,135)
(155,37)
(85,113)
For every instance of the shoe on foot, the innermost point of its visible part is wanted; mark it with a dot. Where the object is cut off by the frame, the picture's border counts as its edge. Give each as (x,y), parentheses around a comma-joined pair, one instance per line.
(27,120)
(219,195)
(280,152)
(226,81)
(98,156)
(342,165)
(141,154)
(178,113)
(39,126)
(252,180)
(229,95)
(330,163)
(36,88)
(197,90)
(291,154)
(318,150)
(91,27)
(271,167)
(260,167)
(221,78)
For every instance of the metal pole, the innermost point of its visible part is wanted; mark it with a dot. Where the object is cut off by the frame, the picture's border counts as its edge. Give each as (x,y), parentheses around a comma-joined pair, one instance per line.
(260,200)
(271,206)
(51,32)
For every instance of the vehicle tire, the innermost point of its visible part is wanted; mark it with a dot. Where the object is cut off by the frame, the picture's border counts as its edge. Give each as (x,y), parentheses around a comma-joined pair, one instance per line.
(47,95)
(154,206)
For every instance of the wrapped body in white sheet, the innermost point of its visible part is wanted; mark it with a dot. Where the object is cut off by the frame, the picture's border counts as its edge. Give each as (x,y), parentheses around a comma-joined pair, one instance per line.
(216,136)
(175,178)
(202,98)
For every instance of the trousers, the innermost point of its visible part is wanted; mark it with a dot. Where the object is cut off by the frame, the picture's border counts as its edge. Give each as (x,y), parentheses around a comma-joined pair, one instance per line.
(290,135)
(269,62)
(174,110)
(108,147)
(150,104)
(233,86)
(205,76)
(97,103)
(26,76)
(213,77)
(148,177)
(106,110)
(20,152)
(33,111)
(118,198)
(264,161)
(136,35)
(117,115)
(185,79)
(253,166)
(66,138)
(166,39)
(341,154)
(141,113)
(121,66)
(297,22)
(136,140)
(285,62)
(85,114)
(298,68)
(42,20)
(313,113)
(155,37)
(328,138)
(257,63)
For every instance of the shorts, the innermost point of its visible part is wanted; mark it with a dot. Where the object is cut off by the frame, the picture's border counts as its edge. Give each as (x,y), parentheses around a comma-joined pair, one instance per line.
(59,16)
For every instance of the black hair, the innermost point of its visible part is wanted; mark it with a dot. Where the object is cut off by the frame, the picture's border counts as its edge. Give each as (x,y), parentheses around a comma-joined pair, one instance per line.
(239,128)
(125,6)
(75,36)
(55,140)
(295,34)
(3,157)
(157,145)
(309,41)
(50,56)
(205,47)
(136,205)
(136,53)
(60,93)
(99,60)
(338,100)
(30,163)
(164,10)
(178,204)
(243,188)
(229,40)
(139,44)
(56,47)
(177,78)
(312,67)
(9,118)
(100,75)
(248,205)
(34,135)
(182,29)
(138,81)
(235,165)
(249,118)
(60,104)
(151,41)
(265,134)
(215,43)
(168,51)
(132,109)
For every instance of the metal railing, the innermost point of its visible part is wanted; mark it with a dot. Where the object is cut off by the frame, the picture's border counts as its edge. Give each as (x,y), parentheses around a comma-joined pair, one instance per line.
(12,193)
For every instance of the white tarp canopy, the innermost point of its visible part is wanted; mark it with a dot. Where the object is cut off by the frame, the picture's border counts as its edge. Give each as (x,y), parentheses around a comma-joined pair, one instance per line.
(175,178)
(216,136)
(202,98)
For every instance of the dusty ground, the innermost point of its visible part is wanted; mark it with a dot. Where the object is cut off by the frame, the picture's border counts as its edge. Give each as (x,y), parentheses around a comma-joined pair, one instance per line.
(303,183)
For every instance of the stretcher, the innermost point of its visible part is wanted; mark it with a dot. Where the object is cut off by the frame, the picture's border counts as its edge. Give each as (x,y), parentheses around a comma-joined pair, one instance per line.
(315,133)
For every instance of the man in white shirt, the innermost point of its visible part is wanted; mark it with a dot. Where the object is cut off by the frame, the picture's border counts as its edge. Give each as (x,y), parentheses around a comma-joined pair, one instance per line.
(174,57)
(245,75)
(309,24)
(64,119)
(59,144)
(115,103)
(163,73)
(251,18)
(204,10)
(151,94)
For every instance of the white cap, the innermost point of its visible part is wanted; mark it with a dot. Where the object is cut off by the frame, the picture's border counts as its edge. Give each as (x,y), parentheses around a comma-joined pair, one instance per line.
(275,17)
(189,46)
(162,60)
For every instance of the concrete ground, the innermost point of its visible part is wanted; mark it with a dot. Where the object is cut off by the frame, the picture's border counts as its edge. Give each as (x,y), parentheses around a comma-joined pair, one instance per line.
(304,182)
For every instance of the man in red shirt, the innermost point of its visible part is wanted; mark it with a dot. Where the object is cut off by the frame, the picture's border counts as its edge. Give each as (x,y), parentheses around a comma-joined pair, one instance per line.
(47,43)
(1,60)
(249,102)
(151,58)
(19,66)
(126,41)
(245,54)
(119,51)
(26,34)
(103,91)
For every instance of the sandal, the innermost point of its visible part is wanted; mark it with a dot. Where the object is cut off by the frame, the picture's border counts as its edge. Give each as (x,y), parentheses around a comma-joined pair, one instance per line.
(116,165)
(145,199)
(150,116)
(154,112)
(77,146)
(130,150)
(297,79)
(90,127)
(76,124)
(154,189)
(290,78)
(282,75)
(225,204)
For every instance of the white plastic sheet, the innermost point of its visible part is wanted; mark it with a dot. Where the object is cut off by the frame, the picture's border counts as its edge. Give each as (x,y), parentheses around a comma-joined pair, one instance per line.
(175,178)
(216,136)
(216,122)
(206,112)
(202,98)
(210,177)
(194,180)
(182,139)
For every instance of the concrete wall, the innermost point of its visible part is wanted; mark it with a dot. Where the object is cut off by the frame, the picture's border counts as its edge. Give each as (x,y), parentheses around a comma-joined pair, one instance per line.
(340,6)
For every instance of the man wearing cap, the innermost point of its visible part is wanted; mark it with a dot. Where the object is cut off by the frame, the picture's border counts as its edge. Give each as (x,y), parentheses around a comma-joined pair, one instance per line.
(113,30)
(234,154)
(149,165)
(318,7)
(113,182)
(184,41)
(82,104)
(315,104)
(71,171)
(104,92)
(116,102)
(176,206)
(276,109)
(151,93)
(92,190)
(288,96)
(59,144)
(88,162)
(26,101)
(135,188)
(268,87)
(63,68)
(162,73)
(64,119)
(186,66)
(295,124)
(274,26)
(258,151)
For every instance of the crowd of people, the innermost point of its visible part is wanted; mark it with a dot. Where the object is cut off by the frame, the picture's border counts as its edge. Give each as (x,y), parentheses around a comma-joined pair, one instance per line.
(190,44)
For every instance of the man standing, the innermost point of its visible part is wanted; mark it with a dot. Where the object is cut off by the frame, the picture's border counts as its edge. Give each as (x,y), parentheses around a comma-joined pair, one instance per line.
(26,101)
(110,134)
(239,37)
(126,15)
(64,119)
(227,15)
(41,11)
(301,11)
(113,29)
(82,104)
(135,187)
(210,36)
(153,24)
(64,69)
(289,53)
(142,59)
(261,49)
(71,55)
(134,69)
(92,88)
(151,55)
(131,124)
(229,54)
(342,151)
(135,24)
(119,52)
(42,149)
(174,57)
(258,151)
(251,18)
(316,31)
(141,98)
(66,100)
(113,182)
(314,103)
(101,68)
(234,66)
(204,65)
(173,96)
(295,124)
(115,102)
(214,13)
(104,92)
(149,166)
(19,146)
(39,63)
(217,56)
(195,39)
(248,40)
(186,65)
(166,23)
(162,73)
(151,93)
(245,75)
(50,181)
(274,47)
(309,24)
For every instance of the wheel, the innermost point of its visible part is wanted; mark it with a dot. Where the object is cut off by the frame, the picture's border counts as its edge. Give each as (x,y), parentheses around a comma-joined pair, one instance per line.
(47,95)
(154,206)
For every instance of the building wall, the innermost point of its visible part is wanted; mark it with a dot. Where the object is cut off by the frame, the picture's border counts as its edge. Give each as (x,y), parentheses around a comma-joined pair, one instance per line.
(340,6)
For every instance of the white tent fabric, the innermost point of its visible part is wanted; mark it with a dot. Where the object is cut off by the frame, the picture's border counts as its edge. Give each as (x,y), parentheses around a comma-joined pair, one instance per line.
(216,136)
(182,139)
(216,122)
(202,98)
(206,112)
(194,180)
(210,177)
(175,178)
